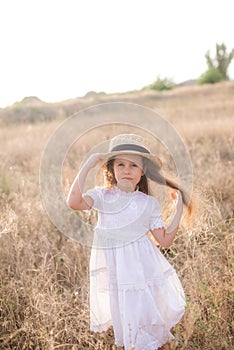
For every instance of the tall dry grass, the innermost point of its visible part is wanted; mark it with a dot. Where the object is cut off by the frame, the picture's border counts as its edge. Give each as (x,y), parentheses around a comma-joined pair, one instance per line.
(44,276)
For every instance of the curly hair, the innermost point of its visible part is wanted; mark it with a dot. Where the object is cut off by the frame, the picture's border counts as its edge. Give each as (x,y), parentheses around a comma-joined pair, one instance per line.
(151,171)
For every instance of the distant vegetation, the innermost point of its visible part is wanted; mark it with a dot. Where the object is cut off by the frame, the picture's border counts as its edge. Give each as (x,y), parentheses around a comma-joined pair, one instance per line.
(33,110)
(211,76)
(217,70)
(162,84)
(218,66)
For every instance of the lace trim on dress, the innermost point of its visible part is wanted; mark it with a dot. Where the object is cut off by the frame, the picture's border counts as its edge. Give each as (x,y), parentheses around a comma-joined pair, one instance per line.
(157,224)
(125,193)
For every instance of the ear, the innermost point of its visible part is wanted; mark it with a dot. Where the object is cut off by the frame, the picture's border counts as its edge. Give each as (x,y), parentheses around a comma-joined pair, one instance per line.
(143,169)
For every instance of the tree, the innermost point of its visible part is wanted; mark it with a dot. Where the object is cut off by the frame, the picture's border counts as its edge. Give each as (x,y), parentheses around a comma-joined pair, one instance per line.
(221,61)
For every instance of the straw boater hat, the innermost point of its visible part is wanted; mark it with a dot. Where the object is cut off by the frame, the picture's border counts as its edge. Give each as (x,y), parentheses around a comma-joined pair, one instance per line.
(131,144)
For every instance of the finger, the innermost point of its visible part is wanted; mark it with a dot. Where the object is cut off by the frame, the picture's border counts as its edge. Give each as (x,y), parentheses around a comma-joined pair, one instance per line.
(174,195)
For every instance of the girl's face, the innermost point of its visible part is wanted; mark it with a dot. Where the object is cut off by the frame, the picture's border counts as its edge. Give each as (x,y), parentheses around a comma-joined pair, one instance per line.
(128,171)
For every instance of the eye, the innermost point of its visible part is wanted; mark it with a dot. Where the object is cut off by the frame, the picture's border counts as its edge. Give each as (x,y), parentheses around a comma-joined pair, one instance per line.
(120,164)
(135,165)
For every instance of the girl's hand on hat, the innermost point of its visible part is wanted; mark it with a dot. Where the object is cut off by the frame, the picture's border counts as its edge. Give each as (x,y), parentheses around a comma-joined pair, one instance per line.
(95,159)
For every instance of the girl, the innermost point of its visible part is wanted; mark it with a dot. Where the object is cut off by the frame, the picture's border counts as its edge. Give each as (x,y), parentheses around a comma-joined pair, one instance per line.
(132,285)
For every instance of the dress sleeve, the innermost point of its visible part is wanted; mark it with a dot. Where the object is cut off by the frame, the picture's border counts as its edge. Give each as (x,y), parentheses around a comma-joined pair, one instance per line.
(156,215)
(96,194)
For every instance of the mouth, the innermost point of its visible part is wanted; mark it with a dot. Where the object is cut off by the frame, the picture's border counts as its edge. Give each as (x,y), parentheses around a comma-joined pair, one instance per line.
(126,184)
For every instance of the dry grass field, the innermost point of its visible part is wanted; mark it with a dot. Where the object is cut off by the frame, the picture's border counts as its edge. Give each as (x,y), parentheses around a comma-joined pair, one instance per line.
(44,282)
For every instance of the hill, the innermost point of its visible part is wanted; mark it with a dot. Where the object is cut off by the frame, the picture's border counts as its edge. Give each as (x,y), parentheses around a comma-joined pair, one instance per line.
(33,110)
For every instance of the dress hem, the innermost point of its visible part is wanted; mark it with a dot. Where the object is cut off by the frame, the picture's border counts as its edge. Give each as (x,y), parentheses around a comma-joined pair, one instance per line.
(152,346)
(101,328)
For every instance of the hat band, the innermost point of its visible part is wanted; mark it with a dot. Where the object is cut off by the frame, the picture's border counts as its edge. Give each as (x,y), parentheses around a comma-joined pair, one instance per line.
(130,147)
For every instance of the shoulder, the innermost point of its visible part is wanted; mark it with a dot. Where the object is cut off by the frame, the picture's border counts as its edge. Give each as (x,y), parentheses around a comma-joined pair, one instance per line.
(146,196)
(94,192)
(98,195)
(151,200)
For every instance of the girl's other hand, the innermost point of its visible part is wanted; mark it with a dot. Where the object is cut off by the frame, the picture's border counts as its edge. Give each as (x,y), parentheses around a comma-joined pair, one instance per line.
(174,194)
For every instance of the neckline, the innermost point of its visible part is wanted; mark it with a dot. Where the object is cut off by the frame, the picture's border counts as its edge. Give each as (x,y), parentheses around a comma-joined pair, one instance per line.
(130,193)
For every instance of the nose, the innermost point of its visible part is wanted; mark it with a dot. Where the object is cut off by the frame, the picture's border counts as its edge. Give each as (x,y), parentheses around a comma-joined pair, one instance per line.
(126,169)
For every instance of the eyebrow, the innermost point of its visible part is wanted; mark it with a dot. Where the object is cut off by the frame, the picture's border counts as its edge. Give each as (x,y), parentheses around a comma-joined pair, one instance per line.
(121,160)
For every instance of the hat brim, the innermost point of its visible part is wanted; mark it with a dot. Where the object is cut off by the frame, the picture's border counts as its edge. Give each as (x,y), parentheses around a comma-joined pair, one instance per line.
(148,156)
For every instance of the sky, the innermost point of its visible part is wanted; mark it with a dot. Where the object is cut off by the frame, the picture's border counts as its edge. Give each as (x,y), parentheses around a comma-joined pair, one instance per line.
(62,49)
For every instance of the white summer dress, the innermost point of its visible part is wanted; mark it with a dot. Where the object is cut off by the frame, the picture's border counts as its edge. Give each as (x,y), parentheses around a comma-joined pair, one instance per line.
(132,285)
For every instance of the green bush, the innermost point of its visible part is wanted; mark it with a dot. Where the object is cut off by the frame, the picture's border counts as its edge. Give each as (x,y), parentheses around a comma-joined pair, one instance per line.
(211,76)
(162,84)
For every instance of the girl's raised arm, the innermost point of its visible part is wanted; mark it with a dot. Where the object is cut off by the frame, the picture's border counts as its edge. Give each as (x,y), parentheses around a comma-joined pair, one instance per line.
(75,198)
(165,236)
